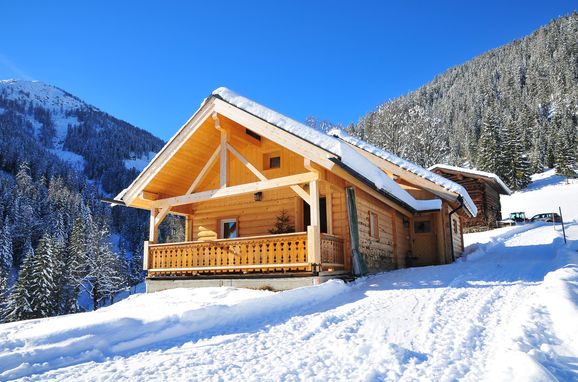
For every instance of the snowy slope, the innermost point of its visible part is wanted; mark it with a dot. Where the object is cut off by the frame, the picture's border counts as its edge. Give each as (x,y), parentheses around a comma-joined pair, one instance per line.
(507,311)
(546,193)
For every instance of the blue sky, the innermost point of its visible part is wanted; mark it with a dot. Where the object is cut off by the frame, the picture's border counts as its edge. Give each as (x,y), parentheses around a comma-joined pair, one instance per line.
(152,63)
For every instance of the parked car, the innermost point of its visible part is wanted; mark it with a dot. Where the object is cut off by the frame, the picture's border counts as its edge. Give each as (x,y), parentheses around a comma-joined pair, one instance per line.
(547,217)
(514,219)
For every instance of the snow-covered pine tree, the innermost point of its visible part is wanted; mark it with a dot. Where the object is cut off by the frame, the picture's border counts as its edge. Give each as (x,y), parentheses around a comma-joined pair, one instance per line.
(19,305)
(489,144)
(6,252)
(565,150)
(104,267)
(43,286)
(515,167)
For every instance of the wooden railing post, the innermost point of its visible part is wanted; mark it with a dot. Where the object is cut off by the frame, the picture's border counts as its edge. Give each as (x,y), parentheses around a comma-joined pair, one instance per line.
(314,230)
(145,257)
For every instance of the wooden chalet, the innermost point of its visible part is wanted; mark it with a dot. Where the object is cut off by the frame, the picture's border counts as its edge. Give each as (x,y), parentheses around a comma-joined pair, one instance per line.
(484,188)
(236,166)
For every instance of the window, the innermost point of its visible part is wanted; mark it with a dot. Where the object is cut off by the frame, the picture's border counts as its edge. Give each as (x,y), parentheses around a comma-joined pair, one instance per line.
(373,225)
(272,160)
(422,226)
(229,228)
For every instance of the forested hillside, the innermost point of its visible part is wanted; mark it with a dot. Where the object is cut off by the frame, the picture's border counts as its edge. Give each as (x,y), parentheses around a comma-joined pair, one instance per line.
(58,157)
(510,111)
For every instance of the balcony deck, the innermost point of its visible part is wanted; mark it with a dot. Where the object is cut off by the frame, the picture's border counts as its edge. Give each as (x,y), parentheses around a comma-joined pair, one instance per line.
(250,256)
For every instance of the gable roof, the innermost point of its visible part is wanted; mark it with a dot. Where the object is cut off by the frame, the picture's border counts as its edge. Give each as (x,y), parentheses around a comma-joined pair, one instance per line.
(329,149)
(495,179)
(347,157)
(410,167)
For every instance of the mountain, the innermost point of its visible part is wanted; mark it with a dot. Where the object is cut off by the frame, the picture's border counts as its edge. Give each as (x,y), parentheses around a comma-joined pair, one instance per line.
(58,157)
(92,141)
(512,110)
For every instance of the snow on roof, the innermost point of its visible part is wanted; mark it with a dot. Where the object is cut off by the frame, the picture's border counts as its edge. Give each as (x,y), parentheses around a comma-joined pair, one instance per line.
(346,154)
(409,166)
(474,172)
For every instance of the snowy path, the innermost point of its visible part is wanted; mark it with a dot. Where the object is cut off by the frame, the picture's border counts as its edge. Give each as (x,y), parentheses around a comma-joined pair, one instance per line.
(471,320)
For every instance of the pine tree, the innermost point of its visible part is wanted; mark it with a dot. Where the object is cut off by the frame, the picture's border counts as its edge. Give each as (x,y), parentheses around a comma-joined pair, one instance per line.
(44,288)
(6,252)
(489,142)
(19,306)
(515,164)
(283,224)
(103,267)
(565,150)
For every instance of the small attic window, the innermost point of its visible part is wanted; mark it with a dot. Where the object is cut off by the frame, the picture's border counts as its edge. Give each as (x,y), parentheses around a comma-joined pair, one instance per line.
(253,134)
(271,160)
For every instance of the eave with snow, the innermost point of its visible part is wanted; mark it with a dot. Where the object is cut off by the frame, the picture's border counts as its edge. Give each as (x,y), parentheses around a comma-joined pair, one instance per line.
(235,166)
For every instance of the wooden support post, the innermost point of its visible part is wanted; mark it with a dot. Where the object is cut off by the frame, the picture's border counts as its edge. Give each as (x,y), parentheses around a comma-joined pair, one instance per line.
(189,228)
(314,230)
(153,228)
(223,159)
(329,209)
(145,258)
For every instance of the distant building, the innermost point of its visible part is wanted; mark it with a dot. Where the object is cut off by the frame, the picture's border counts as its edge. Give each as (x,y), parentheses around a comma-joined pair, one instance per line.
(484,188)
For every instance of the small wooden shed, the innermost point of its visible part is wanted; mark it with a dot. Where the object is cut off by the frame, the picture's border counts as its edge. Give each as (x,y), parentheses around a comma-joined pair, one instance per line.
(485,189)
(236,166)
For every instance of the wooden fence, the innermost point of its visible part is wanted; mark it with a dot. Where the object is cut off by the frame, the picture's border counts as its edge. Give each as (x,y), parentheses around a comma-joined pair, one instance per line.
(264,254)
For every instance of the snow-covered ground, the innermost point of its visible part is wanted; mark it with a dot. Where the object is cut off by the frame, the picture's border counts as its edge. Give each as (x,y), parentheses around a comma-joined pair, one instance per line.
(507,311)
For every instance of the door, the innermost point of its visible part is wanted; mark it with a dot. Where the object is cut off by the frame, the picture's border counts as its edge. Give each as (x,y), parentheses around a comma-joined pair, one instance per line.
(322,214)
(424,242)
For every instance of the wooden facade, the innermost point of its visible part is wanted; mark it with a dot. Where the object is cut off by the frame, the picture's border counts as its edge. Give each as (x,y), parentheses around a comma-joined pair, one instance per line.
(231,175)
(485,191)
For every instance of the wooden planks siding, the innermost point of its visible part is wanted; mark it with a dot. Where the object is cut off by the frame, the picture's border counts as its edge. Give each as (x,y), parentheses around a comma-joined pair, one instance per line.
(378,254)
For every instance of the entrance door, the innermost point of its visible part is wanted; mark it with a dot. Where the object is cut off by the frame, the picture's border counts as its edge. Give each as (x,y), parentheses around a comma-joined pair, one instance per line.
(424,242)
(322,215)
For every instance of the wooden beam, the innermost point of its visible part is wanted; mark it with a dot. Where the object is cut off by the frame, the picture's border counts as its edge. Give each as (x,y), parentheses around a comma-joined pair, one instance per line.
(236,190)
(147,195)
(153,231)
(329,208)
(223,146)
(204,170)
(145,258)
(314,230)
(163,212)
(298,190)
(247,164)
(189,228)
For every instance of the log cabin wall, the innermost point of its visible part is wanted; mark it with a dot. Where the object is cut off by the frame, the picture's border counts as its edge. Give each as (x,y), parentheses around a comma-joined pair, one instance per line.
(402,243)
(457,234)
(379,249)
(493,207)
(484,196)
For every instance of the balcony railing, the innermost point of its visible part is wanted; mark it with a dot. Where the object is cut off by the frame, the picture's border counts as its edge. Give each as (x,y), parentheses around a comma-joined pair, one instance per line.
(257,254)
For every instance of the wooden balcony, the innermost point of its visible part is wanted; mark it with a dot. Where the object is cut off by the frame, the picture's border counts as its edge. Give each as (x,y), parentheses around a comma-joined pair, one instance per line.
(286,253)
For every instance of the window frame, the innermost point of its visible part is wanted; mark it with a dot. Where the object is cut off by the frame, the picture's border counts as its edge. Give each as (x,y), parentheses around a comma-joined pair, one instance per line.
(373,225)
(222,223)
(267,160)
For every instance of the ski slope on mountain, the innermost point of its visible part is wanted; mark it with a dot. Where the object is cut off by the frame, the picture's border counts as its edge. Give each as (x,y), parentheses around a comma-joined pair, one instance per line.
(506,311)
